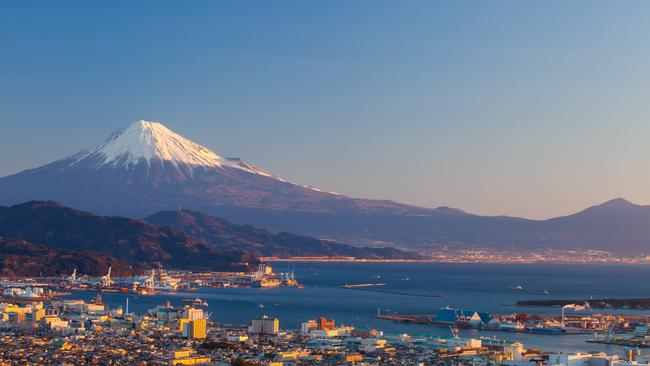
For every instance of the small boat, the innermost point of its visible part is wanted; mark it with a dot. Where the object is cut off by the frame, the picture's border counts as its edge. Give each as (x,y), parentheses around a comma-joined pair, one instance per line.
(406,279)
(261,306)
(516,288)
(197,302)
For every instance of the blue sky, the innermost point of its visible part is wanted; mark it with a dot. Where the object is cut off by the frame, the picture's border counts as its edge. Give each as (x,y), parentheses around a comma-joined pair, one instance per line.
(506,107)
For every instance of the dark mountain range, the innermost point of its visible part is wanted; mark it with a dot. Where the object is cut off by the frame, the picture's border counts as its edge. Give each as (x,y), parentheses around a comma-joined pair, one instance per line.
(132,241)
(224,234)
(52,239)
(618,226)
(147,168)
(22,258)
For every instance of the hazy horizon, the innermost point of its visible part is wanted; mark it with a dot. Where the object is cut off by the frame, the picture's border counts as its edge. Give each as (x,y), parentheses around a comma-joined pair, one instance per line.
(533,110)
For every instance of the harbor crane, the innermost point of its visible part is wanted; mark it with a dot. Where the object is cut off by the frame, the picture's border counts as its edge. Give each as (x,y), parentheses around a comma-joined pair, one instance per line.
(106,280)
(73,276)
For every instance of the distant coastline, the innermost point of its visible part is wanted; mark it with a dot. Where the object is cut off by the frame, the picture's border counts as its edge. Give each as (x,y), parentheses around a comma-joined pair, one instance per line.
(340,260)
(450,260)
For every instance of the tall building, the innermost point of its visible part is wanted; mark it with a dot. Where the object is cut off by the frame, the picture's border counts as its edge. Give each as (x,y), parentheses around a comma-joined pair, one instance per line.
(182,322)
(308,326)
(265,325)
(324,324)
(195,329)
(193,313)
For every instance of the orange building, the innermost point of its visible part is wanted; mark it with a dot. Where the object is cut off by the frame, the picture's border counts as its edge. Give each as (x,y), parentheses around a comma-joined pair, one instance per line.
(324,324)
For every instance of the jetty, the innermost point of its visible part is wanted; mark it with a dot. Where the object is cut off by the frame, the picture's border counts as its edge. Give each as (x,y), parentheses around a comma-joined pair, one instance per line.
(370,287)
(408,319)
(363,285)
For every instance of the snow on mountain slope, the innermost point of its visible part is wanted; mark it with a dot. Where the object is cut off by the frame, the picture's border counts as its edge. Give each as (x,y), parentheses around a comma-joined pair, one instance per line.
(145,141)
(146,167)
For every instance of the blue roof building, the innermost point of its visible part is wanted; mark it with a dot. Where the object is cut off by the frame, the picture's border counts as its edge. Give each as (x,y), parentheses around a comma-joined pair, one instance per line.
(446,316)
(454,316)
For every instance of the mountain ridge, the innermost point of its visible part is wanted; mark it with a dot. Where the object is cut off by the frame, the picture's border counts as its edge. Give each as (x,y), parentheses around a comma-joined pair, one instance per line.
(131,241)
(224,234)
(22,258)
(144,181)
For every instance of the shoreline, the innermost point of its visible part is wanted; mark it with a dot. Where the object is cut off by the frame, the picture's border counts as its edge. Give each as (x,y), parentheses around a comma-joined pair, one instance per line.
(459,261)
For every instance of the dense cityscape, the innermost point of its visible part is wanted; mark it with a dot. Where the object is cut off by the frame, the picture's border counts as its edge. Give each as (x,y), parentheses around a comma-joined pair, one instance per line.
(41,323)
(333,182)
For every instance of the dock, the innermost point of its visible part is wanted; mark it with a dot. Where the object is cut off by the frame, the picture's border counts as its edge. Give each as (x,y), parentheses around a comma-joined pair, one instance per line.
(424,319)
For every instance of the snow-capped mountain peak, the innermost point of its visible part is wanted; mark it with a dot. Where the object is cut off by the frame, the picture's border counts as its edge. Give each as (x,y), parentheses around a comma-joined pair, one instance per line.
(146,141)
(145,167)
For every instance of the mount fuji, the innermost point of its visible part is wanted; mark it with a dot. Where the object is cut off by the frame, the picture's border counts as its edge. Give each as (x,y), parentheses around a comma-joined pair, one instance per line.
(145,168)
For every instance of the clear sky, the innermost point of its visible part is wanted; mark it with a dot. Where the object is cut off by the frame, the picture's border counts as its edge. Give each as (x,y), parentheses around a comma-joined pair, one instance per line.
(522,108)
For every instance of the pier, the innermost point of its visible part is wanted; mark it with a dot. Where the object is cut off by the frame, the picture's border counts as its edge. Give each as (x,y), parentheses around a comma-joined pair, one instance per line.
(431,320)
(363,285)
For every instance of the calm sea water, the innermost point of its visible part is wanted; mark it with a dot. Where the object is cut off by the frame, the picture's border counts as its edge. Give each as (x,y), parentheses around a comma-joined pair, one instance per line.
(480,287)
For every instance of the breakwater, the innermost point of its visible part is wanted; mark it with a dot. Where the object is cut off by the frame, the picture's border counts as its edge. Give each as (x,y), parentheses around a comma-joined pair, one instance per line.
(631,303)
(372,288)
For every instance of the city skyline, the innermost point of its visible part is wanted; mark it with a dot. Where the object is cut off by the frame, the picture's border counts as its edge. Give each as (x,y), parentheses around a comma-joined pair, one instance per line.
(533,111)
